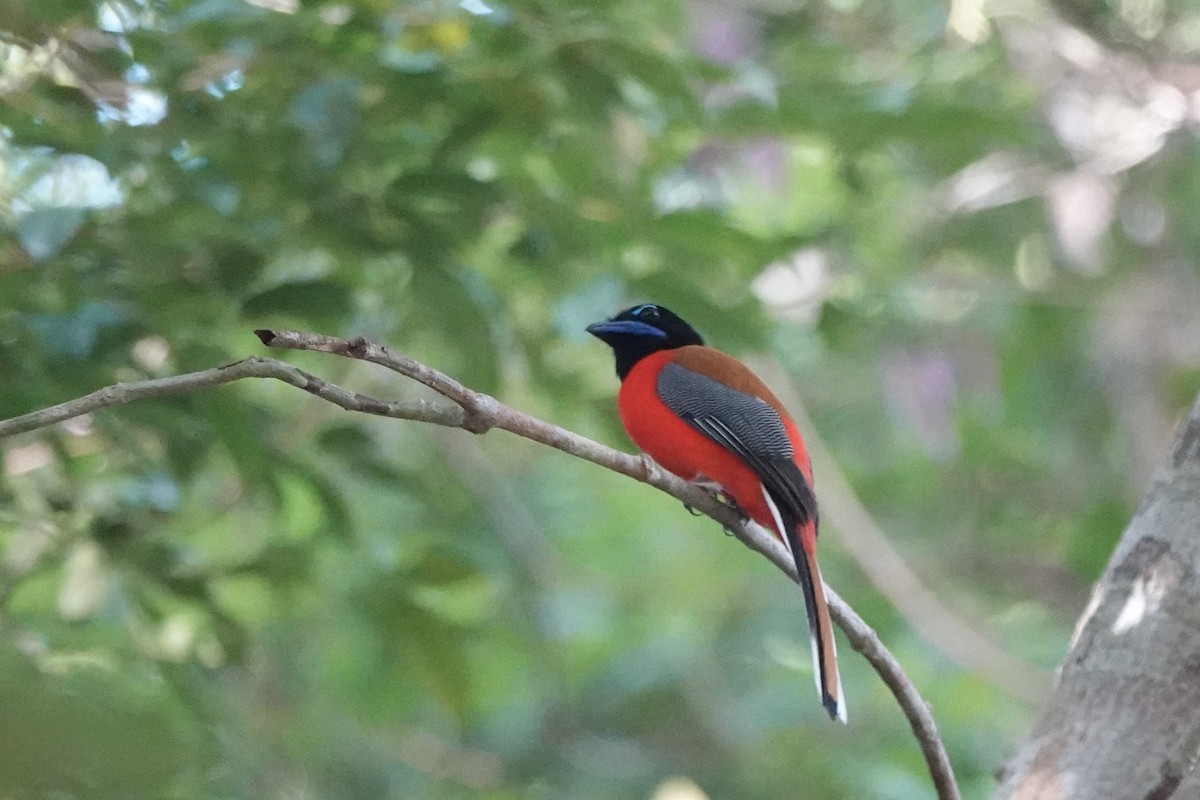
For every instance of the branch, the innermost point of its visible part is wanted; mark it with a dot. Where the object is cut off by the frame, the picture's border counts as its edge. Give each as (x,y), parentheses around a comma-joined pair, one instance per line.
(482,412)
(478,413)
(253,367)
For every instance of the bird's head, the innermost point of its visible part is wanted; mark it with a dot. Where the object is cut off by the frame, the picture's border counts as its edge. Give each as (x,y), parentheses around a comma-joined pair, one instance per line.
(639,331)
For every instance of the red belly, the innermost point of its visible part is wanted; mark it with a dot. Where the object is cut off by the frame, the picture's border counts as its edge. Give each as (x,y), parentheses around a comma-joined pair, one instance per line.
(680,448)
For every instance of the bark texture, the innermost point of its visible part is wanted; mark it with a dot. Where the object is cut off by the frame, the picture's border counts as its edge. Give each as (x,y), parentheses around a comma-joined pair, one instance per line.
(1124,720)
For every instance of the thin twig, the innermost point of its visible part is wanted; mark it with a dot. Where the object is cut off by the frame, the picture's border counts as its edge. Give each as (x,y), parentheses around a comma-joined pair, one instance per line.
(253,367)
(478,413)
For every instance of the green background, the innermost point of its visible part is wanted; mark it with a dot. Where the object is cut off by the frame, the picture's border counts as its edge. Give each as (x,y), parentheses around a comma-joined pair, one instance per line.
(249,593)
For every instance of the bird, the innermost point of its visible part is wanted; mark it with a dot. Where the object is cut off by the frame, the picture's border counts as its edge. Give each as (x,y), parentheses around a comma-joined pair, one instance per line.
(706,417)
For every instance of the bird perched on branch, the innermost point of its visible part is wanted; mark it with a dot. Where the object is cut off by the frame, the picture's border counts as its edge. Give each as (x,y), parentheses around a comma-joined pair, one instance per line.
(704,416)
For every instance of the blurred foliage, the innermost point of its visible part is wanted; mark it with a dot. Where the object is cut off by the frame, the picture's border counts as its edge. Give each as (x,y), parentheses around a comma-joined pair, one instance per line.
(248,593)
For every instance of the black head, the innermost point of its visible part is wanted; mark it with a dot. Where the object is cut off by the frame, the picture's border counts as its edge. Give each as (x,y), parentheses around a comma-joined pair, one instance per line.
(639,331)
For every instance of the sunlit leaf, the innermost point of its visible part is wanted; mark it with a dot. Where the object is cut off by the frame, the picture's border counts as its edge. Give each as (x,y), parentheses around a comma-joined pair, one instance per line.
(45,231)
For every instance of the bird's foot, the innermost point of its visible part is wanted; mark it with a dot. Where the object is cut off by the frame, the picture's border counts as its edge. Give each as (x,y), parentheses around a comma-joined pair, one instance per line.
(718,493)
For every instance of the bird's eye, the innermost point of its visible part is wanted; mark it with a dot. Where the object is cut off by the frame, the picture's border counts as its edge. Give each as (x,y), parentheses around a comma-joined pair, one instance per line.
(648,313)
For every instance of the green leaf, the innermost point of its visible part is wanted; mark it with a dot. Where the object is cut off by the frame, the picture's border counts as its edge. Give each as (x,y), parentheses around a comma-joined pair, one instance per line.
(320,302)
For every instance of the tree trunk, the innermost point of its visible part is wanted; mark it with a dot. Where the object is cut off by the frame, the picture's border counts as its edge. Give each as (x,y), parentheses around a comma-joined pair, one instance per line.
(1124,719)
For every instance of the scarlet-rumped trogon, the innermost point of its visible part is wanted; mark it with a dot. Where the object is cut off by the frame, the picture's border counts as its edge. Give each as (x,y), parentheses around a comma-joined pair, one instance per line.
(706,417)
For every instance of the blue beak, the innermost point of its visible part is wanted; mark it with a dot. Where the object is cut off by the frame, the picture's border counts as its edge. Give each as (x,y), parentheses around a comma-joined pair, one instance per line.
(611,329)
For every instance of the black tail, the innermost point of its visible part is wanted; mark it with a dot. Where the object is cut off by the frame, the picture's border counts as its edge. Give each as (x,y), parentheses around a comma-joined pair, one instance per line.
(820,631)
